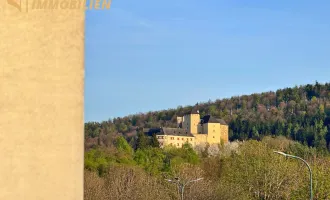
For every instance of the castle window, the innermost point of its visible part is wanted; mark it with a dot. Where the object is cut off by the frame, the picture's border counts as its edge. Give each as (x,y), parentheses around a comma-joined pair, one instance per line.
(178,138)
(190,139)
(178,144)
(213,136)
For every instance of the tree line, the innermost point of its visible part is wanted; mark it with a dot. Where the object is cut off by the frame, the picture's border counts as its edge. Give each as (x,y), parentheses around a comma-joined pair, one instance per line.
(238,170)
(301,113)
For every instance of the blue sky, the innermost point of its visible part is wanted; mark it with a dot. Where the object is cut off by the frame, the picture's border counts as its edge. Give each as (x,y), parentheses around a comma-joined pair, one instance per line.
(151,55)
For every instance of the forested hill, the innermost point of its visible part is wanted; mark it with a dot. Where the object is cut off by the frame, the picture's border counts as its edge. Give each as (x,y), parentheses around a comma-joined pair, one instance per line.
(300,113)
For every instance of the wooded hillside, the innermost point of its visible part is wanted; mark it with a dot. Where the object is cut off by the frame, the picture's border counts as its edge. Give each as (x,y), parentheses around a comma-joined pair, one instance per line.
(301,113)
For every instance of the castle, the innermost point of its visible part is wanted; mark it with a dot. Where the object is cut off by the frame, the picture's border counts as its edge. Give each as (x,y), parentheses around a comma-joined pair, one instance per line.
(192,129)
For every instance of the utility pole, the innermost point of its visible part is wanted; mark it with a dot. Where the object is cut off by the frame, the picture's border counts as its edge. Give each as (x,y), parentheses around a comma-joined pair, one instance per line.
(182,185)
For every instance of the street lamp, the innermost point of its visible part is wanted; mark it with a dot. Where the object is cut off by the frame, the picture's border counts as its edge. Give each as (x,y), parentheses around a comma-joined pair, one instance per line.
(309,168)
(181,185)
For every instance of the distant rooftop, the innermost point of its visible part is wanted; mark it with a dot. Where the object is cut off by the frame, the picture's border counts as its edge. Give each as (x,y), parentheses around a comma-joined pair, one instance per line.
(167,131)
(210,119)
(207,118)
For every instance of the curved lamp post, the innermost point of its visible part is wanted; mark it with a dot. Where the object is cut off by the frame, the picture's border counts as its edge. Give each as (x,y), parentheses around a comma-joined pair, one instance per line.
(309,168)
(181,186)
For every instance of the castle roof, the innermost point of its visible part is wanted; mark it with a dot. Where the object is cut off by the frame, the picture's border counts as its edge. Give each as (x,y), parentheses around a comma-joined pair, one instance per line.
(151,131)
(210,119)
(167,131)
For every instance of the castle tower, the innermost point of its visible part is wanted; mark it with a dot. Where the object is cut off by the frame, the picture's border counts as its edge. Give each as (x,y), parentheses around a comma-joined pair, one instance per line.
(179,121)
(190,122)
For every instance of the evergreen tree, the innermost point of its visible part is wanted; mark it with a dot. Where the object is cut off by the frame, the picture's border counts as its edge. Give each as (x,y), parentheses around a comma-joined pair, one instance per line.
(142,141)
(154,141)
(255,133)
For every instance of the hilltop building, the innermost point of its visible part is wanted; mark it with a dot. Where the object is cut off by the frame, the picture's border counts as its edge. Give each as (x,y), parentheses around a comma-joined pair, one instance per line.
(192,129)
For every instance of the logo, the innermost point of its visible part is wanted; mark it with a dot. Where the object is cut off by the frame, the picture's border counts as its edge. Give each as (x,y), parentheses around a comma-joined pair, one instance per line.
(16,3)
(24,6)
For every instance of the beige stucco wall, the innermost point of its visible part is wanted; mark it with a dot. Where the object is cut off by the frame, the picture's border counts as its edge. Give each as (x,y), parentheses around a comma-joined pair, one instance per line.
(213,135)
(176,141)
(190,123)
(199,129)
(205,128)
(224,133)
(200,138)
(162,140)
(41,104)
